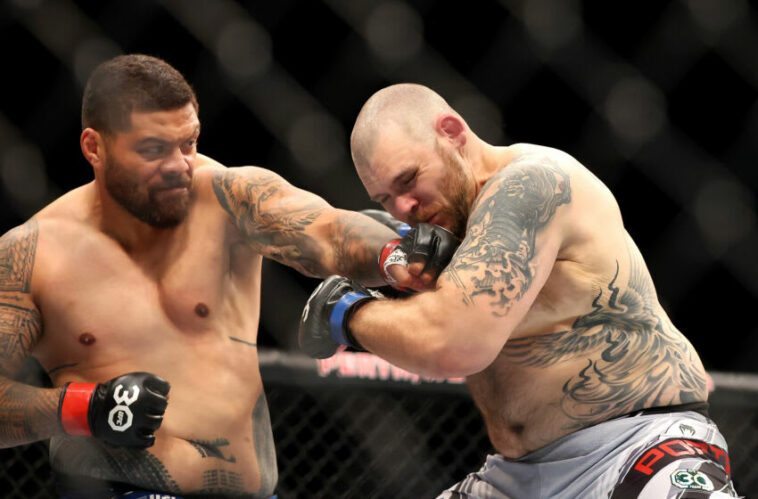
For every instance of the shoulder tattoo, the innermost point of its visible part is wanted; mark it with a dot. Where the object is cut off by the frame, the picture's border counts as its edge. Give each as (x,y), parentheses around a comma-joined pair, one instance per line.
(495,258)
(18,248)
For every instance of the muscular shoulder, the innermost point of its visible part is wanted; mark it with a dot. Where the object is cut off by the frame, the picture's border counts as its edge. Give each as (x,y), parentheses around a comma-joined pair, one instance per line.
(524,194)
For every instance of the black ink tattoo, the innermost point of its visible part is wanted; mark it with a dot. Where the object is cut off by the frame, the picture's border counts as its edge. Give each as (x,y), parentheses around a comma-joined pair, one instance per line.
(357,242)
(27,414)
(278,233)
(92,458)
(18,248)
(495,258)
(20,330)
(265,453)
(277,226)
(249,343)
(208,448)
(222,482)
(635,357)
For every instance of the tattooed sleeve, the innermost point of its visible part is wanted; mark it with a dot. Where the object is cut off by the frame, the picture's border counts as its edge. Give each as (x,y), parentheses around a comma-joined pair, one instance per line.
(26,414)
(496,258)
(298,228)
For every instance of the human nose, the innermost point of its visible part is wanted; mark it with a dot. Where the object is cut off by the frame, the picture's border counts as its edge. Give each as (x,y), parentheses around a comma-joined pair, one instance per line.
(404,205)
(177,163)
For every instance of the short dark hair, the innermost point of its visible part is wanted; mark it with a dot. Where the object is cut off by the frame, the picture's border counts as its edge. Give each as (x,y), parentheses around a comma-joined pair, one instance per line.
(133,82)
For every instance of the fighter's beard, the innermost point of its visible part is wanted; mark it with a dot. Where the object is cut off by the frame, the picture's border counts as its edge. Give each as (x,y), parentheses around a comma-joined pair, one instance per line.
(124,189)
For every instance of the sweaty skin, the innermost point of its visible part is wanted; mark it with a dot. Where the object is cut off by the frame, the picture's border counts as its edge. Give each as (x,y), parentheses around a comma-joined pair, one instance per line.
(547,307)
(185,307)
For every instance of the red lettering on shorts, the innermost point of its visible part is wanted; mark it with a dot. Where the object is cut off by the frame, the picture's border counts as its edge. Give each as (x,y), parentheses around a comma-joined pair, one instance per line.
(686,451)
(645,467)
(719,454)
(650,461)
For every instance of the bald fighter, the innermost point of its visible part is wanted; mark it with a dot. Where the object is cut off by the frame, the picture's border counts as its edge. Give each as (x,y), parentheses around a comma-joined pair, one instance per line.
(139,294)
(586,387)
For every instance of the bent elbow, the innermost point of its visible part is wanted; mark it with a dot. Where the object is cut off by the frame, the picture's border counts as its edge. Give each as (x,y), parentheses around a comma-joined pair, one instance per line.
(455,359)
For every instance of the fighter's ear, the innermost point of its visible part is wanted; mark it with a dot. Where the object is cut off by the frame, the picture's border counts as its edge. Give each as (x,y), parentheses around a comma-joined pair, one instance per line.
(451,127)
(93,147)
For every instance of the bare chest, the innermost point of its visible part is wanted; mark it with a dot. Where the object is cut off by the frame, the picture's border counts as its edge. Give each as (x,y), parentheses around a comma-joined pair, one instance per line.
(102,307)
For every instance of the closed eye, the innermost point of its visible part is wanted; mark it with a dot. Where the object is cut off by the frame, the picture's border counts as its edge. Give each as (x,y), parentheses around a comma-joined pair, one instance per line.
(409,179)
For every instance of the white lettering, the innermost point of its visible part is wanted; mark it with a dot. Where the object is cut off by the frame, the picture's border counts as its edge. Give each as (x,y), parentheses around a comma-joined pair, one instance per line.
(120,417)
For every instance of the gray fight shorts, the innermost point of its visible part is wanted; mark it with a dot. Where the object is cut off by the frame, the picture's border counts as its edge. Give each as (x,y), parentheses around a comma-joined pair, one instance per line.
(656,456)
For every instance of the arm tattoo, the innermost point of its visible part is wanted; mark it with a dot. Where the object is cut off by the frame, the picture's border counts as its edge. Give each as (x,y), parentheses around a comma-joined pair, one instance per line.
(495,258)
(635,358)
(27,413)
(357,242)
(17,251)
(278,234)
(20,329)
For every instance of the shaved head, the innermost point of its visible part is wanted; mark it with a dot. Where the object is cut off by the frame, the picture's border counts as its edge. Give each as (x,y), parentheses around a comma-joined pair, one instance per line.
(410,107)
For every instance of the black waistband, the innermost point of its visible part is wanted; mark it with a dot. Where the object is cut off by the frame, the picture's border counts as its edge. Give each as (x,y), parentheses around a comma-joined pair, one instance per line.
(699,407)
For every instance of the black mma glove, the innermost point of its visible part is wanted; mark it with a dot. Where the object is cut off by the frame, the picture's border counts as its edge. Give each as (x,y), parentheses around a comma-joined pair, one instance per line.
(125,411)
(323,325)
(433,244)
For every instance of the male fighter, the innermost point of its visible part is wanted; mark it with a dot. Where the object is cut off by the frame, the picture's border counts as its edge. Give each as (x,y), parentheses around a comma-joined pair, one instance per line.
(586,387)
(148,279)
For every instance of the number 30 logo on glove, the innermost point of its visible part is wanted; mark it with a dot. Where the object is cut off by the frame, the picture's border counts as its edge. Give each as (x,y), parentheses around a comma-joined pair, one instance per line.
(120,417)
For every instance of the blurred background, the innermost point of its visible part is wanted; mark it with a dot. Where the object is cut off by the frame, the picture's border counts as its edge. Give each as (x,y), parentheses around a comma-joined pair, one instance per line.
(658,99)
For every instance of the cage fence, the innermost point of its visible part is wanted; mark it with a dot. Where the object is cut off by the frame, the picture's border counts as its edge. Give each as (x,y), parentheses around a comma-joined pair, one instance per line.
(354,426)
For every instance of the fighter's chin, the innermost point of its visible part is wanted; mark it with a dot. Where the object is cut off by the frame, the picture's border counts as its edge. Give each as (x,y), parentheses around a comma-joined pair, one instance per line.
(166,220)
(169,215)
(440,220)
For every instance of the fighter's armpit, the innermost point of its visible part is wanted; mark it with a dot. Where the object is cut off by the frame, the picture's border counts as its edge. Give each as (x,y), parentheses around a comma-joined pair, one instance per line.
(497,257)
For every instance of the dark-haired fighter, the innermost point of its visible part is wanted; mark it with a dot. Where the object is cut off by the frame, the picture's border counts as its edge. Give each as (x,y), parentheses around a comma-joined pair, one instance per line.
(586,387)
(139,293)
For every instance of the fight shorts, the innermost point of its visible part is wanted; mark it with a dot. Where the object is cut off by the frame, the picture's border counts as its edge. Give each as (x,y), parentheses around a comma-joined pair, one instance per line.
(648,456)
(80,487)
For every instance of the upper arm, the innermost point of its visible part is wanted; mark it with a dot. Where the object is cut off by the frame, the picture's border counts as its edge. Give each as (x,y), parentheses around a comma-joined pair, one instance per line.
(512,240)
(276,218)
(20,320)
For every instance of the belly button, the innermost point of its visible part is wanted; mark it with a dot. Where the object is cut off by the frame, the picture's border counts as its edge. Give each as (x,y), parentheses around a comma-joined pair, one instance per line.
(202,310)
(87,339)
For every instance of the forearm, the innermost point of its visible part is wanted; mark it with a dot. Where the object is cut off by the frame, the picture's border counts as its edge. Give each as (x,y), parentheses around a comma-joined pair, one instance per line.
(356,243)
(416,334)
(27,413)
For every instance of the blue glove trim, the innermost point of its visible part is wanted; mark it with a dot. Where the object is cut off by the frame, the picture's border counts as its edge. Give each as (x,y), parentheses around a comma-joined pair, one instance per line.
(403,230)
(338,315)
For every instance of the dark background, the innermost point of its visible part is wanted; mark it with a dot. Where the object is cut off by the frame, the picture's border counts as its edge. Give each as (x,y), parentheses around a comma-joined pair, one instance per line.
(658,99)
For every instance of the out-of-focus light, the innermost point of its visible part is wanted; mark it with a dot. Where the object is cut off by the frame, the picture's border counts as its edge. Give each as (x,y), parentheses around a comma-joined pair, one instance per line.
(91,52)
(717,15)
(243,49)
(394,31)
(482,116)
(725,212)
(552,23)
(23,175)
(317,141)
(635,109)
